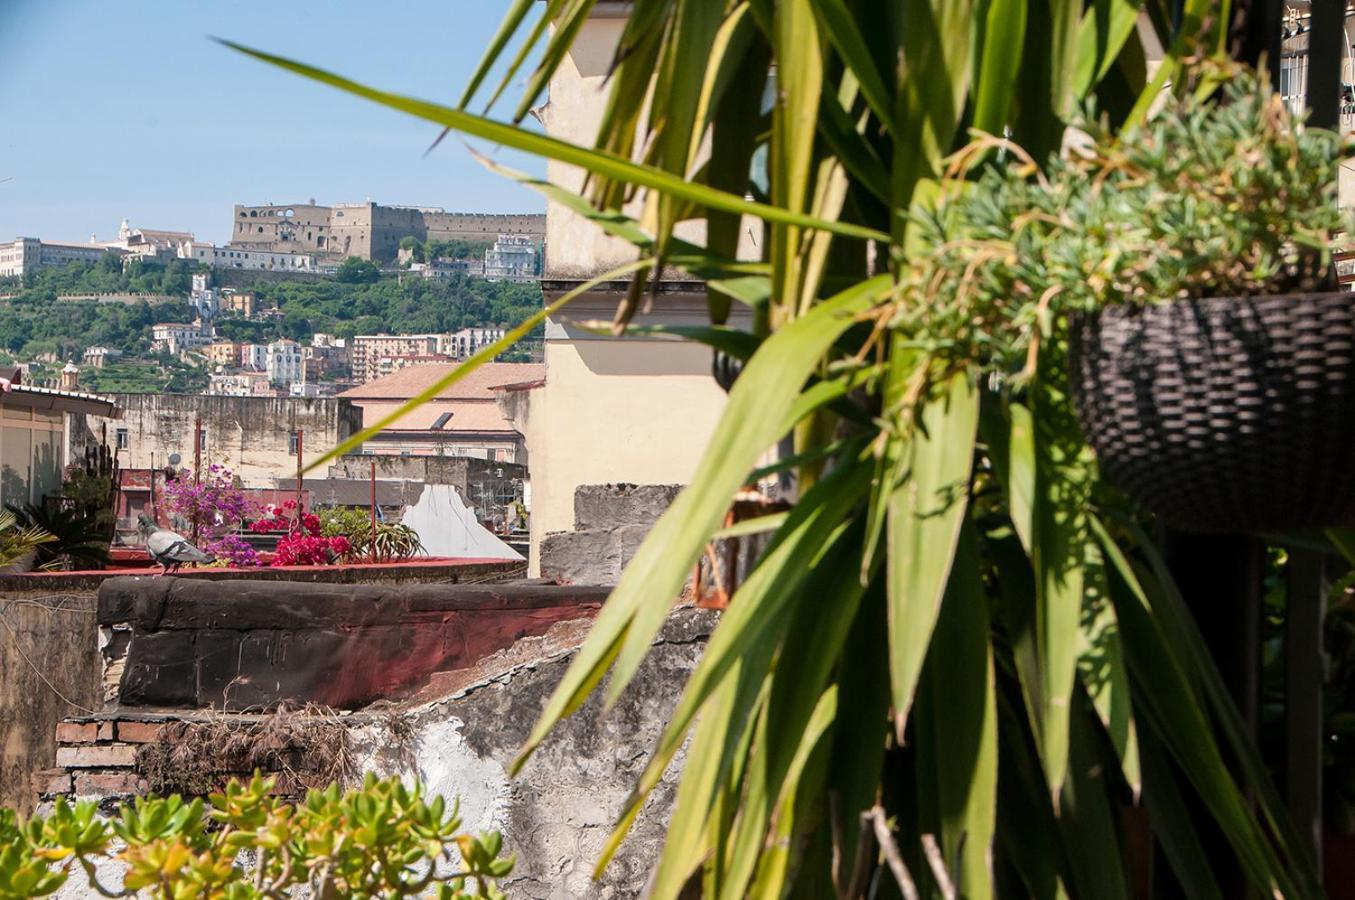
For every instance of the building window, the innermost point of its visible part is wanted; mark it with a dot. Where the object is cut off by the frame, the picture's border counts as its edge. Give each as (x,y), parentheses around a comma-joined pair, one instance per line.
(122,438)
(202,439)
(293,441)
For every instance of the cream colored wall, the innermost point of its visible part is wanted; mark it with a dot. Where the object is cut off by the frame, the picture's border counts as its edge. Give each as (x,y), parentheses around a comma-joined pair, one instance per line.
(638,411)
(578,98)
(575,248)
(631,410)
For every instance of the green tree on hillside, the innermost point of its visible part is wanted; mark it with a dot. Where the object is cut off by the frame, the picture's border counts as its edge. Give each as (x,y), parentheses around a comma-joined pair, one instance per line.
(357,271)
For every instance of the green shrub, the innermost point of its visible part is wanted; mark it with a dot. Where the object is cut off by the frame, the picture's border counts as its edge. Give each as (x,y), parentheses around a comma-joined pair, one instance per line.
(393,540)
(1220,194)
(381,840)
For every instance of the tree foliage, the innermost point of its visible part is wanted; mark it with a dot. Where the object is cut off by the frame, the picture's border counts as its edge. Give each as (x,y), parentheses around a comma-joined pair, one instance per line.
(33,322)
(357,271)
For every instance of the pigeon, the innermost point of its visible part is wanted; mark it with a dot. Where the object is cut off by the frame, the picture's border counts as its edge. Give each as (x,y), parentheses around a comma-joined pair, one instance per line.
(170,549)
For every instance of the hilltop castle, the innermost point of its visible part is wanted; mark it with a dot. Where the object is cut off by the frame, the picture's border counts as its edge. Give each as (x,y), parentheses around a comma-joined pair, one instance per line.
(366,230)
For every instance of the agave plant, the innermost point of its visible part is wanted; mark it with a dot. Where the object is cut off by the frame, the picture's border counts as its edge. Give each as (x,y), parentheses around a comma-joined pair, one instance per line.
(79,539)
(959,660)
(18,542)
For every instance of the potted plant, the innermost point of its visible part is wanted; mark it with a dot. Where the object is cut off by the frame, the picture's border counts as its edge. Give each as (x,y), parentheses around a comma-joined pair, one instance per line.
(959,661)
(1209,345)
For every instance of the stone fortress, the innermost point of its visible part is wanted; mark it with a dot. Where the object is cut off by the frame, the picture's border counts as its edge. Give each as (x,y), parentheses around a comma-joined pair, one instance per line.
(366,230)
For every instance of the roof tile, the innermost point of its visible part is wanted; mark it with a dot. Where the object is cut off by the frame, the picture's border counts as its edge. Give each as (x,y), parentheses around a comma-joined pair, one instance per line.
(477,385)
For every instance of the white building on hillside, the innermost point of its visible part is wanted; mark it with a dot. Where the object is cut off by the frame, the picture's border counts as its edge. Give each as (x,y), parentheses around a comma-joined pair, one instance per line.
(204,299)
(467,341)
(512,258)
(283,362)
(24,255)
(175,337)
(254,357)
(229,257)
(240,384)
(154,245)
(95,357)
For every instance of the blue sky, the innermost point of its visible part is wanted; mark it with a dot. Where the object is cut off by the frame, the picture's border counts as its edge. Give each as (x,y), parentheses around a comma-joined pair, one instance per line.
(126,109)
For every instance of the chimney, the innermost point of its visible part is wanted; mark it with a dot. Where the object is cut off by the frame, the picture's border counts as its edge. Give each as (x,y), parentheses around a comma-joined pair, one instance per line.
(70,377)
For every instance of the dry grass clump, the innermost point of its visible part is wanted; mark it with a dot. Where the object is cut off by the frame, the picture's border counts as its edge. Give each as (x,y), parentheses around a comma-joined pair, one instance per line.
(304,747)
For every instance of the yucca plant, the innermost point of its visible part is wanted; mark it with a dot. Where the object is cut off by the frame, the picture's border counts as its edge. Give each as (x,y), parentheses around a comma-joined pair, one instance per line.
(959,660)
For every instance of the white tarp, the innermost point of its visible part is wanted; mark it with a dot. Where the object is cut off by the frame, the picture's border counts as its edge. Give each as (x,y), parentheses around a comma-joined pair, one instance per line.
(447,527)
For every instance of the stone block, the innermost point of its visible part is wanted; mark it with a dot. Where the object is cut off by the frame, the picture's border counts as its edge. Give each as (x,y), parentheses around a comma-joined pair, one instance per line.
(161,670)
(218,664)
(51,781)
(96,757)
(603,507)
(138,732)
(590,557)
(77,732)
(105,731)
(105,784)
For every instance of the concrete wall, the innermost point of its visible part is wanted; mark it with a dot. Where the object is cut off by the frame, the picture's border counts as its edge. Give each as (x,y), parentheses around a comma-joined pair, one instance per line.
(247,278)
(49,669)
(610,522)
(636,411)
(250,435)
(460,739)
(197,644)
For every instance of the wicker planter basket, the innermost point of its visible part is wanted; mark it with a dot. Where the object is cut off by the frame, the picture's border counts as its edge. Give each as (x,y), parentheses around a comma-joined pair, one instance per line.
(1224,414)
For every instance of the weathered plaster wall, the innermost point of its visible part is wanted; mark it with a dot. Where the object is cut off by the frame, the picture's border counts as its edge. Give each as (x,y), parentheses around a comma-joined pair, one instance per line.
(557,814)
(49,669)
(460,740)
(615,411)
(248,434)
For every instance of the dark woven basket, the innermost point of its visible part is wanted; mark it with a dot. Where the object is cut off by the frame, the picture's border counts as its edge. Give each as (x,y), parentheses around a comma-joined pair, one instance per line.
(1224,414)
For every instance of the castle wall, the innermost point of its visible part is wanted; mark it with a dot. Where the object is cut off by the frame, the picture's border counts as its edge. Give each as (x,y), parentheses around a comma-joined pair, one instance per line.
(366,230)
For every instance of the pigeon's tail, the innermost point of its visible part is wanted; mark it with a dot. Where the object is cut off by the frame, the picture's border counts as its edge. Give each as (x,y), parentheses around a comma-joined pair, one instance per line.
(193,554)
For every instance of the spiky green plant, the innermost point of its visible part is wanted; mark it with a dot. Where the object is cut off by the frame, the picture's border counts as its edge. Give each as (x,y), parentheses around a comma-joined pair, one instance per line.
(959,660)
(79,539)
(18,541)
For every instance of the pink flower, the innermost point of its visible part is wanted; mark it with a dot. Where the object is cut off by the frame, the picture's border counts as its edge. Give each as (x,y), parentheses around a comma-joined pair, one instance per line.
(236,552)
(299,549)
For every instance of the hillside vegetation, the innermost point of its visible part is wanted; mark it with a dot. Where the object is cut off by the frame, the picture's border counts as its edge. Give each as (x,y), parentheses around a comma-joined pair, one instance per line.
(33,321)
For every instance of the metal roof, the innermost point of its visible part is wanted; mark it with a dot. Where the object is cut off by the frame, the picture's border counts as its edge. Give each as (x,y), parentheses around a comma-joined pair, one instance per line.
(33,397)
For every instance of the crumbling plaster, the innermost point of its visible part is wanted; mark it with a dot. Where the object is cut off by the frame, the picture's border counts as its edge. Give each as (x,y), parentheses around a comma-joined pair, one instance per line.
(558,813)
